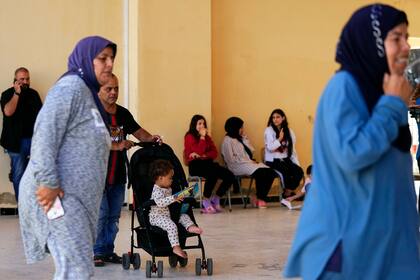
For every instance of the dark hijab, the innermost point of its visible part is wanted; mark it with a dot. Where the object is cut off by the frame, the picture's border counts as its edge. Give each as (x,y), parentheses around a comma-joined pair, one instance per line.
(80,63)
(232,127)
(361,52)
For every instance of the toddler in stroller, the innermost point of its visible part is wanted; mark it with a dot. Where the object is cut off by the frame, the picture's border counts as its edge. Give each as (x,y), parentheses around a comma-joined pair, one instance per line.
(161,172)
(149,235)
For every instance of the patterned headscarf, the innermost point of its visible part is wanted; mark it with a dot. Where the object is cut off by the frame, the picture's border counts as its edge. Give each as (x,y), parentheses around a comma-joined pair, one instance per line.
(81,63)
(361,51)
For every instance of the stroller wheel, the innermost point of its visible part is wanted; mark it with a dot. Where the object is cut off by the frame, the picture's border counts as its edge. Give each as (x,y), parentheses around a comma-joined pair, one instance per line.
(148,269)
(160,269)
(173,260)
(209,266)
(136,261)
(183,261)
(198,267)
(126,261)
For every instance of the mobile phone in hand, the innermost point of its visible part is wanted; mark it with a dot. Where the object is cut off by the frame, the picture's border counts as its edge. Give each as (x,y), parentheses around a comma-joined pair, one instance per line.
(56,210)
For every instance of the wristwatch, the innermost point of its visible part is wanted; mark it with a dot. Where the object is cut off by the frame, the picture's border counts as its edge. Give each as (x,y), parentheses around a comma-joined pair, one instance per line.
(18,94)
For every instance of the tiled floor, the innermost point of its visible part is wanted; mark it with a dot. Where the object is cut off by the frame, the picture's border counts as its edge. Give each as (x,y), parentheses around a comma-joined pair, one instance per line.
(244,244)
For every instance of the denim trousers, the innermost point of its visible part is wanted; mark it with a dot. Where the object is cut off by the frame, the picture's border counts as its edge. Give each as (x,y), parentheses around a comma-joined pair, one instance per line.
(109,215)
(18,163)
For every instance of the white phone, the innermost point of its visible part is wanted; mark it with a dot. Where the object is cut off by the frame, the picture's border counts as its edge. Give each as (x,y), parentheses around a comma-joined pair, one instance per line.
(56,211)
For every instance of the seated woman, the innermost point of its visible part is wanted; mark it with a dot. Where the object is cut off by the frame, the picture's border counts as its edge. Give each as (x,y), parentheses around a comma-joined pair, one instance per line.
(237,153)
(280,153)
(200,153)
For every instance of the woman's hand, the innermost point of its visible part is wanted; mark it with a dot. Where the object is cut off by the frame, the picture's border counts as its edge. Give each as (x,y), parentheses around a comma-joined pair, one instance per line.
(203,133)
(46,196)
(397,85)
(281,135)
(194,155)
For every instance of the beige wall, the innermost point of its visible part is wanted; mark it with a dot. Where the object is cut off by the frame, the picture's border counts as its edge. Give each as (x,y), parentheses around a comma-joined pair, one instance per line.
(41,34)
(174,66)
(278,54)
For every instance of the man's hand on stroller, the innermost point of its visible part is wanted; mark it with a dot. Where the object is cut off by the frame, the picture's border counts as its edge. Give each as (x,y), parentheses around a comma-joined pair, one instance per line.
(157,138)
(123,145)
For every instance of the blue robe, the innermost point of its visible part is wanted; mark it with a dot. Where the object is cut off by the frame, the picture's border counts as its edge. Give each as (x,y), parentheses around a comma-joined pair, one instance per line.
(362,191)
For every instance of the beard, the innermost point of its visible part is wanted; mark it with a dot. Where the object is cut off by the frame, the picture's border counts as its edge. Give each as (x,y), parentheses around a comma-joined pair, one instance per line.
(24,86)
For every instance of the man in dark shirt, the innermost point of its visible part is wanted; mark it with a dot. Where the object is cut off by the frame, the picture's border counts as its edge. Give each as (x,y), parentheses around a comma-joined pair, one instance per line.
(20,105)
(121,123)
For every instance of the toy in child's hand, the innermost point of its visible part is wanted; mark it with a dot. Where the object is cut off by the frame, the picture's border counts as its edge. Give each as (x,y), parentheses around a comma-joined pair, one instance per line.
(186,192)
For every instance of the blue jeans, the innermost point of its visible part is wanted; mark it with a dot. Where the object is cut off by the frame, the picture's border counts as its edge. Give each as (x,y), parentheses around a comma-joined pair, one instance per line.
(109,215)
(18,163)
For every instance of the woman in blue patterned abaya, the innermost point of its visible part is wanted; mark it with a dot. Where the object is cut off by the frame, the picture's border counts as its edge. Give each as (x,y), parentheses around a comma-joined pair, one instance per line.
(69,159)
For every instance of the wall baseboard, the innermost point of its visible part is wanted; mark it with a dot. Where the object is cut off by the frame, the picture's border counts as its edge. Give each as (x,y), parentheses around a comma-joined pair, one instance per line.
(8,211)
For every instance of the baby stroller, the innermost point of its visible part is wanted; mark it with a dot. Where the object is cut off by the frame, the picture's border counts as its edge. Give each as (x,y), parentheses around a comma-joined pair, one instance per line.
(152,239)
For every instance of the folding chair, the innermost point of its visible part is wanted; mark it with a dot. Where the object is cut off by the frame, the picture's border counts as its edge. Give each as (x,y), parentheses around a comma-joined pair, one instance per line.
(199,180)
(239,180)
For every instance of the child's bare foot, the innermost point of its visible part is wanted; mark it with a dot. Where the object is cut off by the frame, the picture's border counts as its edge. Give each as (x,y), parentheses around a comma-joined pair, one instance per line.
(178,251)
(195,229)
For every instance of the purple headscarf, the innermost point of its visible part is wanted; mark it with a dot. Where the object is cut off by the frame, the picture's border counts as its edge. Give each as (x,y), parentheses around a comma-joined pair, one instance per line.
(361,51)
(81,63)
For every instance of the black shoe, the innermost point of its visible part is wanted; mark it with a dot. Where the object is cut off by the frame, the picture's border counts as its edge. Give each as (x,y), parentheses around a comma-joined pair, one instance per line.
(99,261)
(113,258)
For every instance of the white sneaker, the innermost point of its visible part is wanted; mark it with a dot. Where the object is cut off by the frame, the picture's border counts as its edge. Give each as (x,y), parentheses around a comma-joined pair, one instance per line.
(286,203)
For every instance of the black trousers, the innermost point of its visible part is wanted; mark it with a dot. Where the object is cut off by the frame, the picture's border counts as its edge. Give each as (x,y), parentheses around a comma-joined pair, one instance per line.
(292,173)
(264,178)
(212,171)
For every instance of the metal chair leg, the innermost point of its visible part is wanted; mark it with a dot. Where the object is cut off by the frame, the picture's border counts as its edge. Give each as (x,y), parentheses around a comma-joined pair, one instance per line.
(242,196)
(280,190)
(230,202)
(249,191)
(200,183)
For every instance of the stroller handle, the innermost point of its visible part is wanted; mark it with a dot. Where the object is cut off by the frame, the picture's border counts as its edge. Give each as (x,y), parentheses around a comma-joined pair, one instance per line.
(147,144)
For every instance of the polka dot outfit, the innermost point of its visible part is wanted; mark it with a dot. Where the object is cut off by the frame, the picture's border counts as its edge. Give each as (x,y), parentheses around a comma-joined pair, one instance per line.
(160,216)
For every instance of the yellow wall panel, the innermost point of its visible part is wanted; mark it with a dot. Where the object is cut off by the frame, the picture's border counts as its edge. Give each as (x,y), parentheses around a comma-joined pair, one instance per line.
(40,36)
(278,54)
(174,66)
